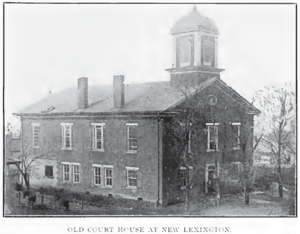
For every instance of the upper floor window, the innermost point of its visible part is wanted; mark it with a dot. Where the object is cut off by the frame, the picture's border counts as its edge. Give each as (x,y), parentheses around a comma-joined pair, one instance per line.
(208,50)
(35,135)
(132,142)
(212,136)
(185,53)
(98,139)
(66,135)
(236,128)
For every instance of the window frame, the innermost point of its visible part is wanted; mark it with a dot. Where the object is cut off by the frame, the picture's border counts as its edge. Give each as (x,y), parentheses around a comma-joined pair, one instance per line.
(94,136)
(35,125)
(64,172)
(71,173)
(238,145)
(215,125)
(63,136)
(128,125)
(108,167)
(49,176)
(127,177)
(189,45)
(183,169)
(94,166)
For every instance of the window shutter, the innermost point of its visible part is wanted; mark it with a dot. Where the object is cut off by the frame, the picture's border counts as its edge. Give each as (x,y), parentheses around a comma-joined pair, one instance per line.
(140,179)
(124,178)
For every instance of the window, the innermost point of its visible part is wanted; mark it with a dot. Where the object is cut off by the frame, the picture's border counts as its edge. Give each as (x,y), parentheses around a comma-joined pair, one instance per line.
(66,172)
(132,177)
(35,135)
(132,137)
(236,129)
(49,171)
(97,174)
(97,141)
(66,135)
(212,136)
(76,173)
(108,174)
(208,50)
(71,172)
(185,179)
(185,53)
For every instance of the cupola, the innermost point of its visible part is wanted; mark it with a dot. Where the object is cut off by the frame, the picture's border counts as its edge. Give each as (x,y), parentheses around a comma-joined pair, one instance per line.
(195,49)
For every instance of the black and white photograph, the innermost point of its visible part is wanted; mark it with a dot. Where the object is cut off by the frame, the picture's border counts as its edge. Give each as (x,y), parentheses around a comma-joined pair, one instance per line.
(149,110)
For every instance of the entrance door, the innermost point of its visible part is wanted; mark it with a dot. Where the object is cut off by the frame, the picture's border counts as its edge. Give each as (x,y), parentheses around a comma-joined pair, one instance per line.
(210,170)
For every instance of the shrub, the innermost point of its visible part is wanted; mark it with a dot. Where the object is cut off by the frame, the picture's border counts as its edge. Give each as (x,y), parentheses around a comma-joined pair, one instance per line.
(230,188)
(18,187)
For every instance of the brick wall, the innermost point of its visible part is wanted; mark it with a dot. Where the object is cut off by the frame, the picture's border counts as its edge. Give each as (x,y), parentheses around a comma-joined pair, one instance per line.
(146,158)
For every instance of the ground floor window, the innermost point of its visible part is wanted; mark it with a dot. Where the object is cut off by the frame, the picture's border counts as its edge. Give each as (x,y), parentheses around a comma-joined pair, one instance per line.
(49,171)
(97,175)
(108,174)
(132,177)
(71,172)
(185,177)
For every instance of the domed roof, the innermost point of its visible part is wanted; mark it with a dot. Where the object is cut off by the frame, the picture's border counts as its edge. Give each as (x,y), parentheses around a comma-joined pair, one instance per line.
(194,21)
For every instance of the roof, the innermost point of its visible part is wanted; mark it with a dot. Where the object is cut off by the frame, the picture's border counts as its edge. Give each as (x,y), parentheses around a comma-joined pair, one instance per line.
(193,22)
(140,98)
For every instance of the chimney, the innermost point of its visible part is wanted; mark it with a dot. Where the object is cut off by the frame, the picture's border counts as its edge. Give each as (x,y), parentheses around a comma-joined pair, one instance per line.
(82,93)
(119,92)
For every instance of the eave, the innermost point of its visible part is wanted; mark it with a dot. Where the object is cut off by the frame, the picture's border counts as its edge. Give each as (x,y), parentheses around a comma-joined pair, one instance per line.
(102,114)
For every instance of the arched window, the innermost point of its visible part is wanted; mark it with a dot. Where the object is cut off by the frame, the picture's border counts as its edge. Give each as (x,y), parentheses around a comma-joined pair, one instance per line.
(185,53)
(208,50)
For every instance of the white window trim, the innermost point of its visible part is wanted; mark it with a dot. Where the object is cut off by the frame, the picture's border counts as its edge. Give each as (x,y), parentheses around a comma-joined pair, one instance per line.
(102,136)
(208,136)
(112,178)
(63,141)
(127,135)
(71,172)
(33,126)
(127,178)
(69,164)
(239,135)
(185,64)
(73,165)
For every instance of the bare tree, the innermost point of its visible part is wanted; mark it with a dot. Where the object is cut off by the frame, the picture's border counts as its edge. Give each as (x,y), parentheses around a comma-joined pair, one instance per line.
(190,141)
(278,123)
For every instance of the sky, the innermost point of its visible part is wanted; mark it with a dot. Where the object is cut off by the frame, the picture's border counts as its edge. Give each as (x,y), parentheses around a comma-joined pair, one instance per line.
(48,47)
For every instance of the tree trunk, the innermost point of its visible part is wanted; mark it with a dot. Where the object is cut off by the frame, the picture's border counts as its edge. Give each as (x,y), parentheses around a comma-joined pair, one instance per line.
(280,184)
(187,199)
(247,197)
(26,178)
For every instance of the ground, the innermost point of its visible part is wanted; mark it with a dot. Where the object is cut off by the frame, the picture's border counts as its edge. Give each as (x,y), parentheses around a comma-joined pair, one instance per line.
(261,204)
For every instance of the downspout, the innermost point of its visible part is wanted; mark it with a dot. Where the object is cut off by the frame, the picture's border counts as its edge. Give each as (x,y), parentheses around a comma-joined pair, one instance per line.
(158,164)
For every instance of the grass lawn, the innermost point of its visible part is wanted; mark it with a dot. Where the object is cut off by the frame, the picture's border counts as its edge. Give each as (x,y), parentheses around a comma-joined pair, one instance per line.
(264,204)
